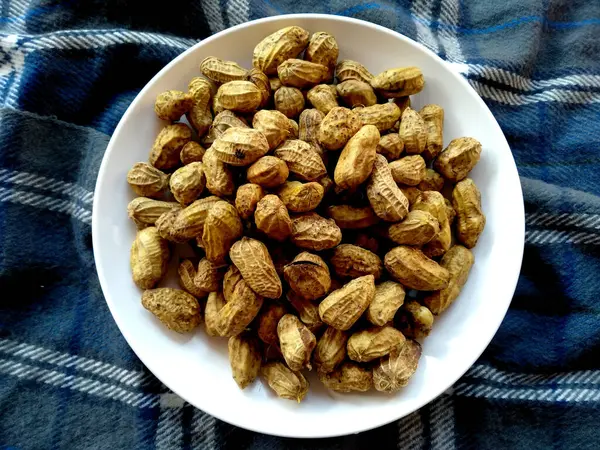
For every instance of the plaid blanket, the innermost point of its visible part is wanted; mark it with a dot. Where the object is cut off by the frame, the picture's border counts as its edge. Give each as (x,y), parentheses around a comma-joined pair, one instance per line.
(68,71)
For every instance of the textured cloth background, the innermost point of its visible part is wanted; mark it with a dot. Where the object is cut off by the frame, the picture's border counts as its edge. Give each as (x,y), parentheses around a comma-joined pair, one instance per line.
(68,71)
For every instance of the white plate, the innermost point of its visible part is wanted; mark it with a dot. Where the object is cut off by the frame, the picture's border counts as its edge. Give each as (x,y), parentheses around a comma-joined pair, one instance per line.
(195,366)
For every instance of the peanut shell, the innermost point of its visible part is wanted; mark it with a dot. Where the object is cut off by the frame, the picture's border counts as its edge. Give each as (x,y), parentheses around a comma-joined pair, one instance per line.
(147,180)
(373,343)
(171,105)
(393,371)
(191,152)
(313,232)
(168,145)
(389,297)
(240,146)
(456,161)
(409,170)
(390,146)
(470,220)
(272,218)
(418,228)
(302,159)
(221,228)
(356,93)
(285,382)
(382,116)
(352,261)
(209,276)
(253,260)
(415,270)
(245,358)
(330,351)
(301,74)
(352,70)
(349,377)
(296,342)
(221,71)
(301,197)
(342,308)
(322,98)
(357,158)
(246,198)
(273,124)
(289,101)
(219,179)
(149,257)
(337,127)
(279,46)
(413,132)
(145,211)
(187,183)
(175,308)
(399,82)
(308,276)
(240,96)
(415,320)
(386,199)
(433,116)
(350,217)
(187,274)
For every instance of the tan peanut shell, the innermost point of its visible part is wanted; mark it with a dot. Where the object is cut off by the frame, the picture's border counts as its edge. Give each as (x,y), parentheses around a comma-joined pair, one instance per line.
(289,101)
(323,49)
(200,115)
(242,306)
(301,197)
(145,211)
(261,80)
(302,159)
(322,98)
(241,96)
(272,218)
(352,70)
(273,124)
(253,260)
(221,123)
(221,228)
(352,261)
(268,171)
(214,304)
(171,105)
(386,199)
(382,116)
(418,228)
(240,146)
(470,220)
(246,198)
(175,308)
(149,257)
(187,223)
(389,296)
(221,71)
(300,73)
(268,319)
(357,158)
(349,377)
(187,273)
(399,82)
(147,180)
(350,217)
(415,320)
(390,146)
(165,225)
(296,342)
(209,275)
(409,170)
(285,382)
(413,132)
(330,351)
(275,83)
(374,342)
(293,128)
(450,212)
(313,232)
(168,145)
(279,46)
(394,370)
(456,161)
(415,270)
(307,311)
(434,203)
(230,280)
(219,179)
(337,127)
(187,183)
(191,152)
(356,93)
(245,358)
(308,276)
(309,123)
(433,181)
(343,307)
(433,116)
(411,193)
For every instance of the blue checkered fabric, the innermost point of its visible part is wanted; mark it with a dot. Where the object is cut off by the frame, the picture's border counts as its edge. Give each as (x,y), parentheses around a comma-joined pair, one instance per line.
(68,71)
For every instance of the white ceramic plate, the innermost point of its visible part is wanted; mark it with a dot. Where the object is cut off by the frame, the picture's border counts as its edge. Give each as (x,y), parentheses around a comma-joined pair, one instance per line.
(195,366)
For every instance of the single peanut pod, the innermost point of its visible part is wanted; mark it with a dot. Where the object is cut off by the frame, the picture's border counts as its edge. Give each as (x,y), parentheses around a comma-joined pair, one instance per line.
(191,152)
(389,297)
(285,382)
(357,158)
(168,145)
(313,232)
(240,310)
(390,146)
(301,197)
(171,105)
(300,73)
(352,70)
(382,116)
(386,199)
(394,370)
(230,280)
(414,320)
(222,227)
(165,226)
(373,343)
(187,183)
(323,49)
(415,270)
(268,319)
(308,127)
(413,131)
(433,202)
(245,358)
(149,257)
(356,93)
(222,122)
(349,377)
(296,342)
(343,307)
(308,276)
(322,98)
(456,161)
(399,82)
(217,106)
(302,159)
(240,146)
(246,198)
(330,351)
(289,100)
(279,46)
(175,308)
(187,223)
(221,71)
(200,115)
(411,193)
(418,228)
(273,124)
(187,273)
(337,127)
(254,262)
(272,218)
(261,80)
(240,96)
(214,304)
(209,275)
(147,180)
(351,261)
(409,170)
(145,211)
(433,181)
(293,128)
(433,116)
(353,218)
(219,179)
(470,220)
(268,171)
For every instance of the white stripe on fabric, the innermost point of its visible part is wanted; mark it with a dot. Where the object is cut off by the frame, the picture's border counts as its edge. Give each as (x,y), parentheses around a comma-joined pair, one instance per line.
(410,432)
(202,432)
(421,12)
(551,95)
(541,237)
(212,10)
(449,13)
(553,395)
(492,374)
(441,422)
(78,383)
(47,184)
(45,202)
(238,11)
(169,432)
(91,366)
(577,220)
